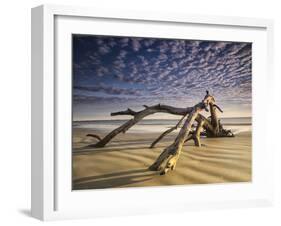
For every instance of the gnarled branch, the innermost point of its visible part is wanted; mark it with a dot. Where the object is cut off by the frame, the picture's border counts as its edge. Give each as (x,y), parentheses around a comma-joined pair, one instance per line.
(137,116)
(167,132)
(94,136)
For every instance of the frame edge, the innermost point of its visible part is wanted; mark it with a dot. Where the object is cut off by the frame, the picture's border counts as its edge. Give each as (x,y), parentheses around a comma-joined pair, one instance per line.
(37,162)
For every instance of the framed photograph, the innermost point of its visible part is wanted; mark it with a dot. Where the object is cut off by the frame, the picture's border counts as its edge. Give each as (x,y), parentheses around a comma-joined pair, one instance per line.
(137,112)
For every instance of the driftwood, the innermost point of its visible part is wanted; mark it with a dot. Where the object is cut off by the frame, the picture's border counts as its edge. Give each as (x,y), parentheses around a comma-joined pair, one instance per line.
(170,155)
(208,127)
(138,116)
(167,132)
(94,136)
(197,133)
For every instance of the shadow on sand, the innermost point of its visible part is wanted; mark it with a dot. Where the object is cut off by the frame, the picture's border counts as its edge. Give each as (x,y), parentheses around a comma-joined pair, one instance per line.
(112,180)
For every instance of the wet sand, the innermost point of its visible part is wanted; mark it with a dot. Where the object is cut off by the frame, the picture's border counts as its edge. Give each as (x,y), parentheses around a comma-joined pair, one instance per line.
(124,161)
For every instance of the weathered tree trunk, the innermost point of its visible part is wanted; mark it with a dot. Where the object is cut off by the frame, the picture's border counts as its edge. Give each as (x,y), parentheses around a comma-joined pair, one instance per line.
(218,130)
(170,155)
(197,133)
(214,118)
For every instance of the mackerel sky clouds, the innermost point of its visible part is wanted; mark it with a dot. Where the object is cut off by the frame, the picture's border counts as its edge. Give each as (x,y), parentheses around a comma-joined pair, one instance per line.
(114,73)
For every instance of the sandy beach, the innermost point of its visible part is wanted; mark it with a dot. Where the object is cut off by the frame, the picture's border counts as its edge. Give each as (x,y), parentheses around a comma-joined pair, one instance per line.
(125,160)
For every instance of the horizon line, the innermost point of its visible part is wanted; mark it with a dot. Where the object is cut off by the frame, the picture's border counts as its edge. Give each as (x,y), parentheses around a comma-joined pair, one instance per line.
(146,119)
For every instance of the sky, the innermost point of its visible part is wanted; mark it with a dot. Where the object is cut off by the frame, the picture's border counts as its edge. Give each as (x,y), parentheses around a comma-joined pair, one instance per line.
(113,73)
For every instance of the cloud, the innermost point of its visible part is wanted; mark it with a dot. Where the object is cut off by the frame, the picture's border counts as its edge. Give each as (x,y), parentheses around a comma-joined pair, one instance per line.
(152,69)
(104,49)
(90,99)
(124,42)
(107,90)
(136,44)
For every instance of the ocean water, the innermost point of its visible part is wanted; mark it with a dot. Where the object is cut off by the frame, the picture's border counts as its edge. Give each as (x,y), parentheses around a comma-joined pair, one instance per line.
(160,125)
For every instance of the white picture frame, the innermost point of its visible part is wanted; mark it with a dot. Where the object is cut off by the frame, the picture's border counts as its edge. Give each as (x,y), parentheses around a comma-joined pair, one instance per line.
(51,197)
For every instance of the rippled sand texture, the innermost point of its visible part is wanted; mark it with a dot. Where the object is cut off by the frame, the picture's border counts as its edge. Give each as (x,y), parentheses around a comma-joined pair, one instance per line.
(124,161)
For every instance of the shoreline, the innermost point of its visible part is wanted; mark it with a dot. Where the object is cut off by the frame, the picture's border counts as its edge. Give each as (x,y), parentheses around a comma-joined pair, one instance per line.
(80,139)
